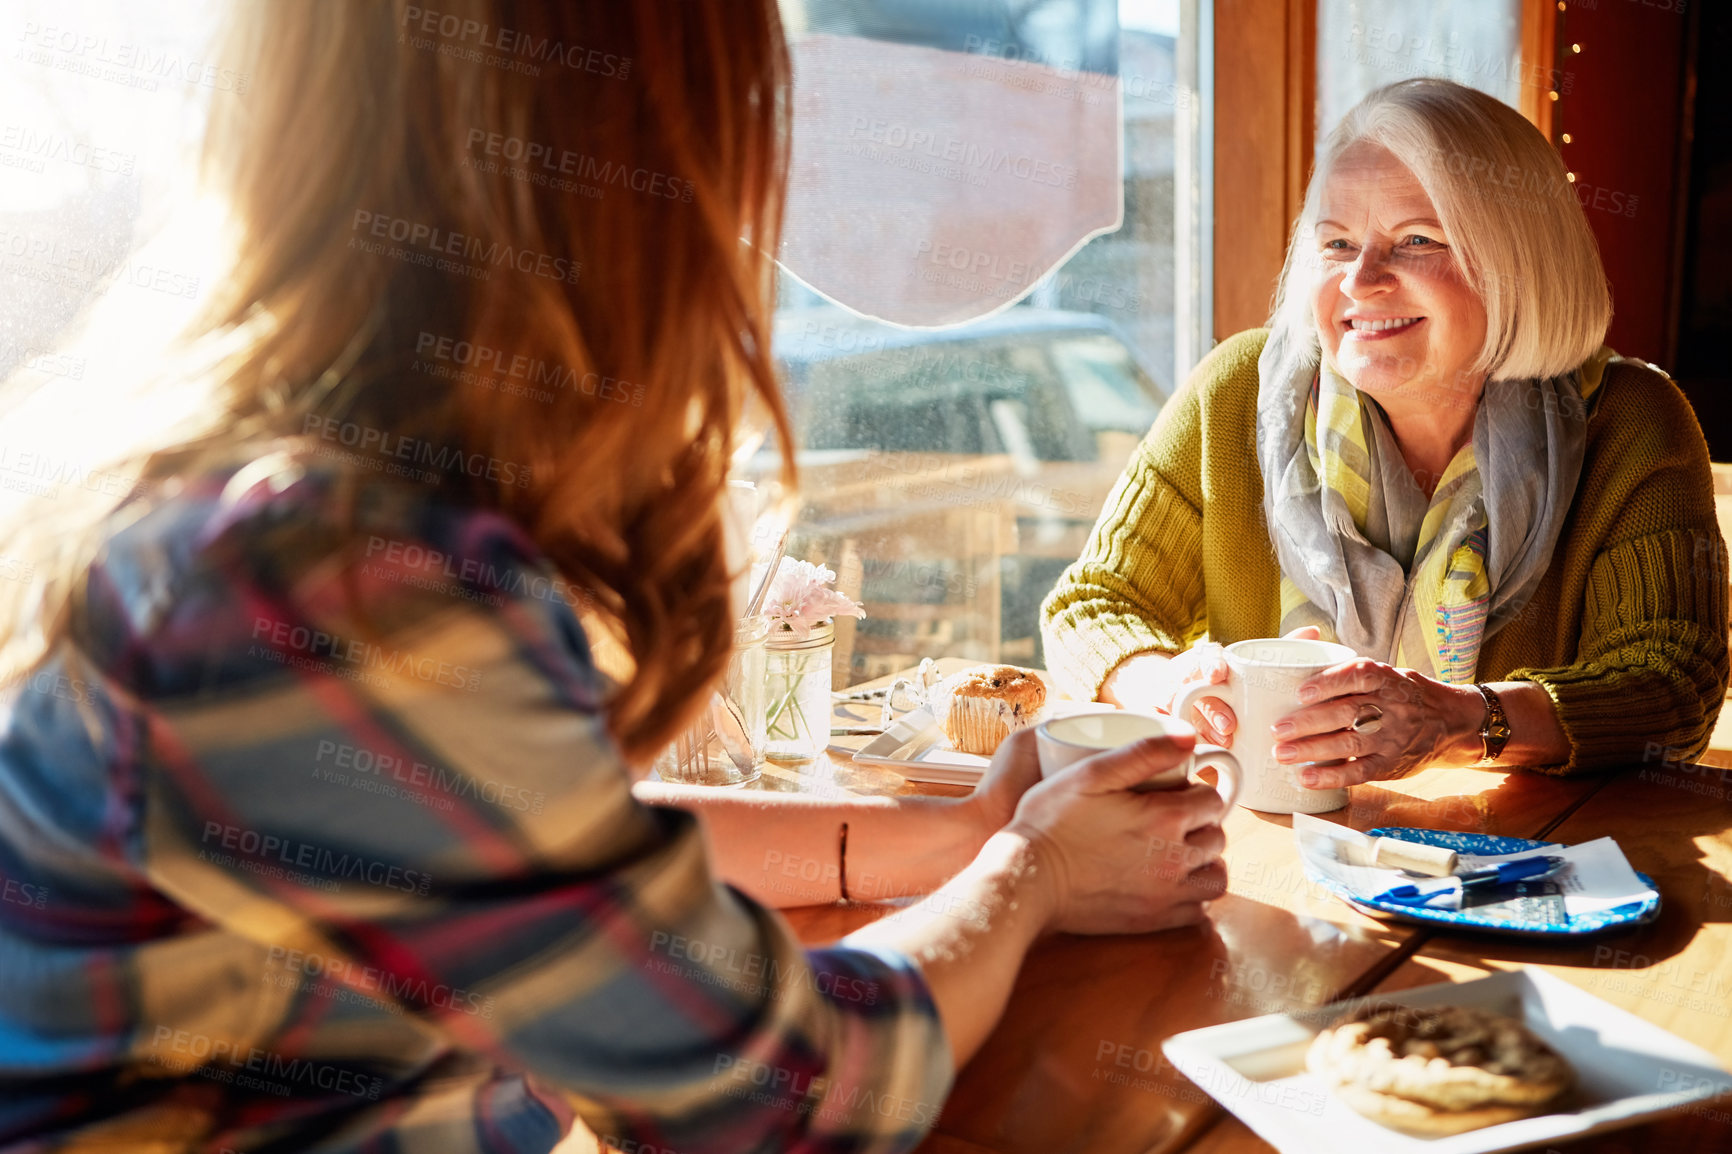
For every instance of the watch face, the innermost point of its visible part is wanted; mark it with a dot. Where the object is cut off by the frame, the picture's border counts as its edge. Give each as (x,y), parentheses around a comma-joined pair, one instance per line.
(1495,733)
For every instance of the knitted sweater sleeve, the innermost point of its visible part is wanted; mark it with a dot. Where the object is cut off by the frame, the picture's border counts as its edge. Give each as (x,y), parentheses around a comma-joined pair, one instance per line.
(1138,586)
(1652,664)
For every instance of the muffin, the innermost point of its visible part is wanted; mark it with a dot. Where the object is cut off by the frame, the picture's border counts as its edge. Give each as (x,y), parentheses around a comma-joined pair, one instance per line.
(1439,1070)
(981,705)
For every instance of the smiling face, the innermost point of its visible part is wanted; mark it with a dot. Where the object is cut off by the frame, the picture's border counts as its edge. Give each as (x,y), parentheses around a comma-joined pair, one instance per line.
(1394,315)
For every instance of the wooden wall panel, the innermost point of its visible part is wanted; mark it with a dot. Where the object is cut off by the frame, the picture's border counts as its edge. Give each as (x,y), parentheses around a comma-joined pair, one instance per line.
(1622,105)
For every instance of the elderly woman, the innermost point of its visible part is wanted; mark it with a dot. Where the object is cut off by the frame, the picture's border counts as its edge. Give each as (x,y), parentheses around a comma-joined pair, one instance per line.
(1428,456)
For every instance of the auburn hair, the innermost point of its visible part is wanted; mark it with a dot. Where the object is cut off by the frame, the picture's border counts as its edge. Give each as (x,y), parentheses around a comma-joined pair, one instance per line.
(593,185)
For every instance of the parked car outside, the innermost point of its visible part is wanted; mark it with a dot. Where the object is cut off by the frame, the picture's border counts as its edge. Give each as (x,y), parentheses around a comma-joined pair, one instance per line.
(950,475)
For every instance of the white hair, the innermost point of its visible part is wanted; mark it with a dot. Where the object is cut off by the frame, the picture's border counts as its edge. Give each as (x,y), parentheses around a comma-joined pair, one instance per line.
(1509,211)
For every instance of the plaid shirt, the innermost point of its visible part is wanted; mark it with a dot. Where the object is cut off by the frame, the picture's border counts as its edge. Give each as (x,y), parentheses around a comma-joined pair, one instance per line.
(300,852)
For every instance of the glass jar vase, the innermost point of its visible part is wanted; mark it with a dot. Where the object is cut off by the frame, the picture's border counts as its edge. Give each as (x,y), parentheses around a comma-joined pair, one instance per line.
(797,673)
(726,745)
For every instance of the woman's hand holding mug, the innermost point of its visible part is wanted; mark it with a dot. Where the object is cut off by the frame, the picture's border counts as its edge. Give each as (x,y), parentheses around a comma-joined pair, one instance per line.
(1389,721)
(1262,688)
(1156,685)
(1124,857)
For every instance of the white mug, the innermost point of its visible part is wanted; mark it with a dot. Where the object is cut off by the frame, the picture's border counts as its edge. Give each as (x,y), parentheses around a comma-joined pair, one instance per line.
(1263,679)
(1066,739)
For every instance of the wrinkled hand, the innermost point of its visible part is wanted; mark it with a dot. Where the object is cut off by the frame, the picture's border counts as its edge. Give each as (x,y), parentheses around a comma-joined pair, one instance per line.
(1122,861)
(1424,722)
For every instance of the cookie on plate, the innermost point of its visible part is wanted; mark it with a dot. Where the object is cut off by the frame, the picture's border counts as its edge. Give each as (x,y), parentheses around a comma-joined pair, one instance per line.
(1438,1070)
(980,706)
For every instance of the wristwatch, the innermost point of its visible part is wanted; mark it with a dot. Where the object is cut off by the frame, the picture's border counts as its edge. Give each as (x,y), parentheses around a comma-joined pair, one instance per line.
(1494,732)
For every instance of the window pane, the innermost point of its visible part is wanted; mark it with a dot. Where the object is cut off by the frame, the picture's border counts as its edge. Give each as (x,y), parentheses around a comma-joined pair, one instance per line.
(949,475)
(104,102)
(1104,386)
(1365,44)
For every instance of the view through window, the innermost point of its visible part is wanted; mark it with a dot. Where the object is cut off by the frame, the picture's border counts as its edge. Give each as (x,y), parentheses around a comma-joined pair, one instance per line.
(102,103)
(1364,44)
(949,475)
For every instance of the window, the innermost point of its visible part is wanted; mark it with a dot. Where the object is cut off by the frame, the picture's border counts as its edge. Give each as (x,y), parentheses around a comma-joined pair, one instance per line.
(103,104)
(1364,44)
(949,475)
(1106,389)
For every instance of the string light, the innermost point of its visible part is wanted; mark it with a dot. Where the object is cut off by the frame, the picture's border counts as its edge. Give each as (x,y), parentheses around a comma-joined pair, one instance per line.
(1555,95)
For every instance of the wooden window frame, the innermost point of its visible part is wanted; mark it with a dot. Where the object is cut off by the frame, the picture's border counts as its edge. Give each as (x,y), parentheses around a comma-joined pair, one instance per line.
(1265,128)
(1539,57)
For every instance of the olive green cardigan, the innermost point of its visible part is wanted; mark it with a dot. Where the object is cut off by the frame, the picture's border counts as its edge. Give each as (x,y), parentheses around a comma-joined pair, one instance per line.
(1626,632)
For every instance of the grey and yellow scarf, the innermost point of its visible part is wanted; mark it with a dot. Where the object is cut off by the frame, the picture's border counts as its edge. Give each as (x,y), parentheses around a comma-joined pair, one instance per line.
(1365,557)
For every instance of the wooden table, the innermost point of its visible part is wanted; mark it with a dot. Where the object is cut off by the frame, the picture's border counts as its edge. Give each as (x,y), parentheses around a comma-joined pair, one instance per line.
(1076,1065)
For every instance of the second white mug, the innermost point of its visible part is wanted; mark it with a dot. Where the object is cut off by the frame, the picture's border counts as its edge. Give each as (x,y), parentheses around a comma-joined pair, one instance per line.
(1263,679)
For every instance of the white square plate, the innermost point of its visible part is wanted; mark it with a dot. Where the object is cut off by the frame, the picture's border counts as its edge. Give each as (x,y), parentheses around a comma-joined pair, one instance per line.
(933,758)
(1627,1070)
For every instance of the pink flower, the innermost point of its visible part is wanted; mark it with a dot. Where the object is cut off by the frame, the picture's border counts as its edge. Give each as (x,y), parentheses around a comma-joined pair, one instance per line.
(800,598)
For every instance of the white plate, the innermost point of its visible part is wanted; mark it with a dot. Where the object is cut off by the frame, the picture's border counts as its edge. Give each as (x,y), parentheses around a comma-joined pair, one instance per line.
(934,759)
(1627,1070)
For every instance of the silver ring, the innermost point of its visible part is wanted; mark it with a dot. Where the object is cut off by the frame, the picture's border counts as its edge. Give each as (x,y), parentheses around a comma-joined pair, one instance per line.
(1369,719)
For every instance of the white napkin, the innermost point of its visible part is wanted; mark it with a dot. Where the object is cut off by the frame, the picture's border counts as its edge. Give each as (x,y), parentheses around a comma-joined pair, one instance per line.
(1598,876)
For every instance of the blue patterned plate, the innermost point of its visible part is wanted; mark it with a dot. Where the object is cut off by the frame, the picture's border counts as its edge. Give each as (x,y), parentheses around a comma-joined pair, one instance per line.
(1485,919)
